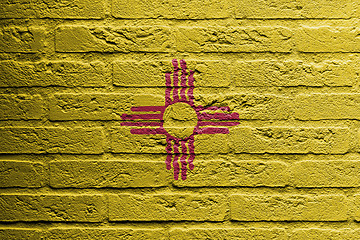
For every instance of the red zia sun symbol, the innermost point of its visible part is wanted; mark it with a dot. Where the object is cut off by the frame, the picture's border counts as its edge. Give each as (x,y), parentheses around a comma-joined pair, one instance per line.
(180,120)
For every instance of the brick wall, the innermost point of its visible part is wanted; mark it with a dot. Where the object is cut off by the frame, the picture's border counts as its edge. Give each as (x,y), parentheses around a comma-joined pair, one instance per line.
(290,169)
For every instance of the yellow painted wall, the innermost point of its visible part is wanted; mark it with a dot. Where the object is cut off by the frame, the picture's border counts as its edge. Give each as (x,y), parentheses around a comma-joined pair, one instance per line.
(290,169)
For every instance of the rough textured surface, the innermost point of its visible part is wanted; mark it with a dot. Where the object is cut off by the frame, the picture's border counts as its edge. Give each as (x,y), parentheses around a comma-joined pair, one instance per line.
(357,208)
(327,106)
(116,174)
(16,107)
(256,73)
(289,140)
(289,208)
(106,39)
(90,145)
(252,106)
(56,208)
(319,234)
(52,73)
(18,233)
(96,106)
(246,234)
(77,9)
(335,173)
(19,39)
(105,233)
(221,39)
(129,143)
(151,73)
(292,73)
(328,39)
(167,207)
(237,173)
(300,9)
(195,9)
(51,140)
(21,174)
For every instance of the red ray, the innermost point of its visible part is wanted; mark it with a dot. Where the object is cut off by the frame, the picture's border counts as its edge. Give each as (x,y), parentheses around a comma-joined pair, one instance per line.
(168,89)
(176,163)
(169,156)
(191,88)
(141,124)
(183,80)
(141,116)
(192,152)
(183,160)
(191,78)
(176,80)
(148,131)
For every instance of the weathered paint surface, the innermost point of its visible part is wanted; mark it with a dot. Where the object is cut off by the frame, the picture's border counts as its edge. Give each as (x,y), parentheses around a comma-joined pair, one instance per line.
(263,119)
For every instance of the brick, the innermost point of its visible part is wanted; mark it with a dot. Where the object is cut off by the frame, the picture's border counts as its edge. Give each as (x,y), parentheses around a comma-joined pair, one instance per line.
(185,9)
(288,208)
(228,233)
(250,106)
(105,233)
(327,39)
(77,9)
(21,174)
(98,106)
(236,173)
(327,106)
(333,173)
(357,147)
(300,9)
(212,143)
(234,39)
(51,140)
(210,73)
(16,39)
(22,106)
(21,233)
(322,140)
(167,207)
(142,74)
(122,141)
(320,234)
(116,174)
(107,106)
(52,73)
(152,73)
(357,207)
(54,208)
(70,38)
(291,73)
